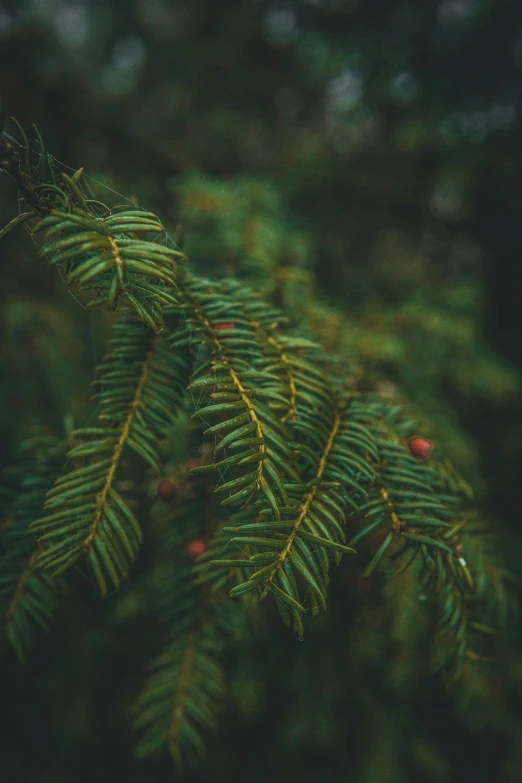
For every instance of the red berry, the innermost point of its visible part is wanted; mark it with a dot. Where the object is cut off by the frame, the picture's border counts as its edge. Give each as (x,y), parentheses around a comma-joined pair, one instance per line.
(420,447)
(193,463)
(196,547)
(219,327)
(457,549)
(166,489)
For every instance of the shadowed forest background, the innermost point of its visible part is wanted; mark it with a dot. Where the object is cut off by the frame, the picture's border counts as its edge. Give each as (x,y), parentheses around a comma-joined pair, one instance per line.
(362,163)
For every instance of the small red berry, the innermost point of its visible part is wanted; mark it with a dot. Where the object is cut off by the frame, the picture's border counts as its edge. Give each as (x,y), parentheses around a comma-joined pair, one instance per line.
(457,549)
(420,447)
(166,489)
(193,463)
(196,547)
(219,327)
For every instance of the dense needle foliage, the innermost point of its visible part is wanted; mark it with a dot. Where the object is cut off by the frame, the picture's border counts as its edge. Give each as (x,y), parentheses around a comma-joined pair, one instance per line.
(301,467)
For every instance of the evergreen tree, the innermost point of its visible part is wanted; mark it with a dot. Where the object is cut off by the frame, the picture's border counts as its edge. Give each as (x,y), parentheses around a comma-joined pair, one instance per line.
(337,187)
(300,465)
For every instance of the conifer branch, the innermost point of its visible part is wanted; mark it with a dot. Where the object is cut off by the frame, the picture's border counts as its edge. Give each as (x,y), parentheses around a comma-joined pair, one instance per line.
(305,465)
(100,253)
(292,407)
(186,685)
(266,321)
(307,503)
(283,553)
(418,508)
(249,387)
(124,437)
(179,706)
(140,390)
(28,597)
